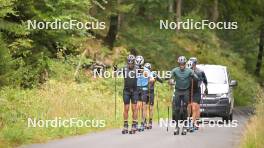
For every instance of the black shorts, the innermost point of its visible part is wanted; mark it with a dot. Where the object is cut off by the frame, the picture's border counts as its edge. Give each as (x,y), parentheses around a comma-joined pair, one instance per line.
(150,97)
(142,94)
(197,97)
(180,96)
(130,95)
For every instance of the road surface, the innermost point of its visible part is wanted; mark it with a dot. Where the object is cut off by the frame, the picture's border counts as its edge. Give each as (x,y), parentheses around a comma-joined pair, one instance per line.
(206,137)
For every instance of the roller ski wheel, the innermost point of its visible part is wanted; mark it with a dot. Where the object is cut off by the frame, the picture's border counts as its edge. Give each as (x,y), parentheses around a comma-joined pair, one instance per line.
(184,131)
(132,132)
(188,129)
(150,126)
(191,130)
(142,129)
(125,131)
(139,129)
(176,131)
(147,127)
(196,127)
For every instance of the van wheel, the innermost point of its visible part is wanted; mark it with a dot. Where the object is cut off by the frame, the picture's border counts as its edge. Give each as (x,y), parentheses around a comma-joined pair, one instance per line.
(228,118)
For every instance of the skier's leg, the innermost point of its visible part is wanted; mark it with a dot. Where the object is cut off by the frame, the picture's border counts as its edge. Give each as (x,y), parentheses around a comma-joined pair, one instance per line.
(185,99)
(126,99)
(176,110)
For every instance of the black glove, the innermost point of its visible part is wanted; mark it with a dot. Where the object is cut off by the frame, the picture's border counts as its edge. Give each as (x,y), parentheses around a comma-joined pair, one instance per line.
(159,79)
(206,91)
(115,67)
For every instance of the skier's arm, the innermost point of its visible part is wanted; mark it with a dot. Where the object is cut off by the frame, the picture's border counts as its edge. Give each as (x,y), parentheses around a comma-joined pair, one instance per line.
(205,82)
(157,77)
(151,77)
(204,79)
(194,75)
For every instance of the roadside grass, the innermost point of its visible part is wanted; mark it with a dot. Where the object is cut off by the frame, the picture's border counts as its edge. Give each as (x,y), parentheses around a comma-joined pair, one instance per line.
(254,135)
(89,99)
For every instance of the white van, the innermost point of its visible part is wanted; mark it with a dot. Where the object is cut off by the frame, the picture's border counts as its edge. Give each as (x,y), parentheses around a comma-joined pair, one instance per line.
(219,102)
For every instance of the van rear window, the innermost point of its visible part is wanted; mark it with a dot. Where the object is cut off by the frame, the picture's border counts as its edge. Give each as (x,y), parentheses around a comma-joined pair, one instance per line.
(215,75)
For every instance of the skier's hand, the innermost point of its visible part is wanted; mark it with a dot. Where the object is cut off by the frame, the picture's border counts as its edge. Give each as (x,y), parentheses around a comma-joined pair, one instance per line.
(206,91)
(171,82)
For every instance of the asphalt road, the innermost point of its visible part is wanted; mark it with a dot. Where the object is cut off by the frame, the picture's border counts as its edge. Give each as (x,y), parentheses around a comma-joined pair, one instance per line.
(206,137)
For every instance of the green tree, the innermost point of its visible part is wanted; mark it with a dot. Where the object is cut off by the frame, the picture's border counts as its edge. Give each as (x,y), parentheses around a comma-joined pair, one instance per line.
(30,49)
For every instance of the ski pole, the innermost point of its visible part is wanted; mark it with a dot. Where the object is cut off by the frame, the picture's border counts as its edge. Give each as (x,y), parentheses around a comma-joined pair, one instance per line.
(115,98)
(158,107)
(168,110)
(168,118)
(142,108)
(202,93)
(149,100)
(191,99)
(206,103)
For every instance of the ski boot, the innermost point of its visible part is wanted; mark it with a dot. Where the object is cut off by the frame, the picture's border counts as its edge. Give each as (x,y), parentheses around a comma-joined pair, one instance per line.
(133,129)
(176,131)
(150,125)
(196,126)
(147,126)
(141,127)
(190,128)
(184,131)
(125,129)
(138,128)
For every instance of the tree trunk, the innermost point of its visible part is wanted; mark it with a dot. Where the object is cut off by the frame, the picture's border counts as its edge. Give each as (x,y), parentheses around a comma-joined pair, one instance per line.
(141,11)
(215,12)
(112,32)
(178,10)
(120,15)
(260,54)
(170,7)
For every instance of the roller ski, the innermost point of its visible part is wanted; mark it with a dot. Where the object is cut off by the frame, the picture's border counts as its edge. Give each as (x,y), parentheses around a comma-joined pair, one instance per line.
(196,126)
(184,131)
(190,128)
(125,129)
(149,125)
(141,128)
(176,131)
(133,129)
